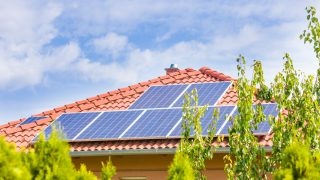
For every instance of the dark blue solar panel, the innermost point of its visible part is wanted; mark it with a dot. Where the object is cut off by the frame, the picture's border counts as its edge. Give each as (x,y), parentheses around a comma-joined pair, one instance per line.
(71,124)
(31,119)
(154,123)
(110,125)
(159,97)
(263,127)
(224,111)
(208,93)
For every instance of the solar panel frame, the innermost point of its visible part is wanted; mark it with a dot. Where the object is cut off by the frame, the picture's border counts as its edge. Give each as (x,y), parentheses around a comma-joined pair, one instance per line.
(109,125)
(76,130)
(31,119)
(207,120)
(262,126)
(208,93)
(165,98)
(153,124)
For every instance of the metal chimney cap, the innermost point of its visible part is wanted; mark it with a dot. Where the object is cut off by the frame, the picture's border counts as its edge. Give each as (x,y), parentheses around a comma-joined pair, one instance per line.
(174,66)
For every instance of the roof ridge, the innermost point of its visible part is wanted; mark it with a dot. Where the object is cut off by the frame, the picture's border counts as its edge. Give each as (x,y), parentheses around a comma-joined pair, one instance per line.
(215,74)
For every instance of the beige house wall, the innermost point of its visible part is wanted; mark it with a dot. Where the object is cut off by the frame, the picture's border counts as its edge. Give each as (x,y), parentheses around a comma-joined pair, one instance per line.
(152,167)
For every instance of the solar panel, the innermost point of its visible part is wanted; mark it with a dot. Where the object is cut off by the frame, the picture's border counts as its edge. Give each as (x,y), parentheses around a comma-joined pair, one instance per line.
(110,125)
(263,127)
(208,93)
(224,111)
(31,119)
(159,96)
(72,124)
(154,123)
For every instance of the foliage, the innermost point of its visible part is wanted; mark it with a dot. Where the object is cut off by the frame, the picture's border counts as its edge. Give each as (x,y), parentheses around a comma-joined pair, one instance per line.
(108,171)
(11,166)
(247,159)
(84,174)
(298,163)
(297,97)
(49,159)
(193,144)
(181,168)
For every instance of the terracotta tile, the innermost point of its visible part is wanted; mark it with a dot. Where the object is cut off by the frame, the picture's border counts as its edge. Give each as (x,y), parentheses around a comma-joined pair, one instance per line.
(48,112)
(74,109)
(103,95)
(144,83)
(141,89)
(114,92)
(58,109)
(82,102)
(124,89)
(94,98)
(71,105)
(155,80)
(29,125)
(115,101)
(167,81)
(135,86)
(86,106)
(193,73)
(100,102)
(181,76)
(112,98)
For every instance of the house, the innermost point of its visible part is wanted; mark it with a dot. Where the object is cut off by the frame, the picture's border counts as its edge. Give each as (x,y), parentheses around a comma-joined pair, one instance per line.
(134,158)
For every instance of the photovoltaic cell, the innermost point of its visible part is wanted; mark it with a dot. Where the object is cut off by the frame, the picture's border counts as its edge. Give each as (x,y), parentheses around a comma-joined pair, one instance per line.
(208,93)
(154,123)
(263,127)
(31,119)
(71,124)
(159,97)
(109,125)
(224,111)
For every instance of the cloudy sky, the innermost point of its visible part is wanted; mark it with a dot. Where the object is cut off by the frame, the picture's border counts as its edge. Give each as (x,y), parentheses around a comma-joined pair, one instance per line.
(57,52)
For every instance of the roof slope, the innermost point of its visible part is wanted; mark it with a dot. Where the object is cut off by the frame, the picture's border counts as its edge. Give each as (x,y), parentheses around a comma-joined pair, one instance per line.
(114,100)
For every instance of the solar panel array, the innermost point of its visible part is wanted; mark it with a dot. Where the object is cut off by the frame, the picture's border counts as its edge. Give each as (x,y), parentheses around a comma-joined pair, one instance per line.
(263,127)
(156,114)
(31,119)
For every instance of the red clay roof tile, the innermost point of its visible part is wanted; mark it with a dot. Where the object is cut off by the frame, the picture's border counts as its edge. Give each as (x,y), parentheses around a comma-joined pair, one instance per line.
(121,99)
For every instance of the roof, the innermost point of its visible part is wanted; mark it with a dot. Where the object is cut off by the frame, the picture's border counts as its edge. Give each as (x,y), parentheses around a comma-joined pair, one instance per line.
(121,99)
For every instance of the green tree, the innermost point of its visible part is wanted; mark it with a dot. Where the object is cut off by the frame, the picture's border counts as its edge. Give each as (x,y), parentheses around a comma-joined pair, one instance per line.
(108,171)
(298,163)
(297,97)
(181,168)
(50,159)
(193,144)
(11,165)
(247,159)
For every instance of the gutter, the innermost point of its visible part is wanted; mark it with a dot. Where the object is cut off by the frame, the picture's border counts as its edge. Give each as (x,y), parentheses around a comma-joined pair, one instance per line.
(142,152)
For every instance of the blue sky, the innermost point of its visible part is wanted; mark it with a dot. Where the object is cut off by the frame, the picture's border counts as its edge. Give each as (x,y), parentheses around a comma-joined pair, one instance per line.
(56,52)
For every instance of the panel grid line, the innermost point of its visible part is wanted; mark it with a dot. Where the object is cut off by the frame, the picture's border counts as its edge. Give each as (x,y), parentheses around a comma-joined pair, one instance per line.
(128,128)
(224,92)
(182,93)
(87,126)
(227,119)
(174,127)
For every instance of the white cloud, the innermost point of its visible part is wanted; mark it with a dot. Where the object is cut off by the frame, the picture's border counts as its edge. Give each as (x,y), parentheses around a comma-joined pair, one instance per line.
(111,43)
(25,33)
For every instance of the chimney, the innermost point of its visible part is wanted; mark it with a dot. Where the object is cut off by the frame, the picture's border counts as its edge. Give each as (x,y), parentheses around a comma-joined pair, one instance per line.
(172,68)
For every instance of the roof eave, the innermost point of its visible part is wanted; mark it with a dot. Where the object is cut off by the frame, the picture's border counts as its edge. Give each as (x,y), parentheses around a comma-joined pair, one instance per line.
(143,152)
